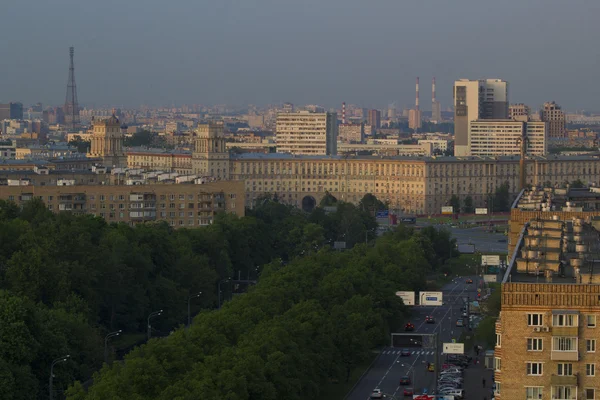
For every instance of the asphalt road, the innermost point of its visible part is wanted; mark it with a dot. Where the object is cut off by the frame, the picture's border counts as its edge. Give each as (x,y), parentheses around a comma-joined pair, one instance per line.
(483,240)
(390,365)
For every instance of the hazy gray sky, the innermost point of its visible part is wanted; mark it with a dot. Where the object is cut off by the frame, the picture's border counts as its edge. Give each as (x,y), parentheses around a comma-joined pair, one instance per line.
(366,52)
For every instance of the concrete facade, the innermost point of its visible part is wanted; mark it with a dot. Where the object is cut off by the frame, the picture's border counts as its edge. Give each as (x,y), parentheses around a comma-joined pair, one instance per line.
(307,133)
(502,137)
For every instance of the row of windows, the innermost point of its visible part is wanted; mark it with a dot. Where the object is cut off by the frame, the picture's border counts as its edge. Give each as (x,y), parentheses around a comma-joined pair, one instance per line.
(536,368)
(566,320)
(559,343)
(558,392)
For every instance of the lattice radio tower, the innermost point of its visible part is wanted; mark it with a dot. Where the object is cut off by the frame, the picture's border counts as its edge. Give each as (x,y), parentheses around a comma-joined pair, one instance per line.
(71,108)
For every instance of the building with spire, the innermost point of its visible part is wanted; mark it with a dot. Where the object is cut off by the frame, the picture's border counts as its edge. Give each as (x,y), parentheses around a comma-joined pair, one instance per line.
(107,142)
(210,157)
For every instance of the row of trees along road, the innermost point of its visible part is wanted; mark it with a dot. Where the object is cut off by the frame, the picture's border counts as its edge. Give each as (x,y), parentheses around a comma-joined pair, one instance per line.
(67,280)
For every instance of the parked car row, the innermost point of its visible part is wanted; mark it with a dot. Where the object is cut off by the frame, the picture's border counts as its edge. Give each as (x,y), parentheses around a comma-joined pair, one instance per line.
(451,380)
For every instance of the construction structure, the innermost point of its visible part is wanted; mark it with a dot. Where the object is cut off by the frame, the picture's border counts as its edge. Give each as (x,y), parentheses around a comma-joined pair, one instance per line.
(547,332)
(71,107)
(555,117)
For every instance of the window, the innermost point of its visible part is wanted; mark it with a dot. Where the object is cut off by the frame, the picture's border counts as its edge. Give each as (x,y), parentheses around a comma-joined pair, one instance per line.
(590,369)
(497,364)
(564,392)
(565,369)
(564,320)
(534,368)
(591,321)
(590,345)
(534,319)
(498,384)
(534,392)
(560,343)
(534,344)
(590,394)
(498,339)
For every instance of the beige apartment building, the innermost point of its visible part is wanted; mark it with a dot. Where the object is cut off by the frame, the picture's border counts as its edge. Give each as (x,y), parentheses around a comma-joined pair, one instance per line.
(307,133)
(519,112)
(548,330)
(555,117)
(181,205)
(503,137)
(351,133)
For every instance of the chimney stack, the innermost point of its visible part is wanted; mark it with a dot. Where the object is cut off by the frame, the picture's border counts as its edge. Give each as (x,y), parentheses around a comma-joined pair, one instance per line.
(417,100)
(343,112)
(433,90)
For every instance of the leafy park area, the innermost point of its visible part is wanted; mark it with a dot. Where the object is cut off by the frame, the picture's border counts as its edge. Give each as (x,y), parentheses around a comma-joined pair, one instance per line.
(314,315)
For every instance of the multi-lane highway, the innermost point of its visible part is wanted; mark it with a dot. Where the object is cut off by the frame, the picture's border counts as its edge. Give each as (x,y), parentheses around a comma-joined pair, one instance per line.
(391,365)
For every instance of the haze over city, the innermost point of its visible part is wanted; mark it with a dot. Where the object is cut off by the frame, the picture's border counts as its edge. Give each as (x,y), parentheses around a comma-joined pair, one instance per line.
(320,52)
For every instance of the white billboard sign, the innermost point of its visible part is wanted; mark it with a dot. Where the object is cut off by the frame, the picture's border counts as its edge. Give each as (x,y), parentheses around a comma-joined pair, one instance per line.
(481,211)
(490,260)
(430,298)
(454,348)
(407,297)
(447,210)
(490,278)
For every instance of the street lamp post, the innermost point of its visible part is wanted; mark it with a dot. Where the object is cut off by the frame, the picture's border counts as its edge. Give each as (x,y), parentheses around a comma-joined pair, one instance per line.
(153,314)
(111,334)
(58,360)
(219,289)
(189,299)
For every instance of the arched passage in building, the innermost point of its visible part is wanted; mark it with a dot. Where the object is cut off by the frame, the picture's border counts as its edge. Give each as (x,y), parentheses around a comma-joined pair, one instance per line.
(308,203)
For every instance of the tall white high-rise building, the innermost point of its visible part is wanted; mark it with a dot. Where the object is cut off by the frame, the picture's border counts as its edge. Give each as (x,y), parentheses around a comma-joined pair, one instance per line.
(475,100)
(307,133)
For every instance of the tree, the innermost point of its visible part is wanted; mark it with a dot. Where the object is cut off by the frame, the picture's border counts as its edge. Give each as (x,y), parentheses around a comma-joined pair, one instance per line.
(370,203)
(143,138)
(83,146)
(500,200)
(468,205)
(577,184)
(328,200)
(455,203)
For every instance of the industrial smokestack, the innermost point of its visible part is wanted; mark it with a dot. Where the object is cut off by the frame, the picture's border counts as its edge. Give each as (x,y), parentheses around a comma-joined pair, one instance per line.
(343,112)
(433,90)
(417,99)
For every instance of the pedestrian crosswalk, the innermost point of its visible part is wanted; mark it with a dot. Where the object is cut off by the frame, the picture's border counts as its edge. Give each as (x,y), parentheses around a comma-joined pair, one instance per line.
(412,353)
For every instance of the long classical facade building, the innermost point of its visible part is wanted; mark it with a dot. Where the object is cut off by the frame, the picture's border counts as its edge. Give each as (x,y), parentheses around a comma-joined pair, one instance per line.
(419,185)
(416,185)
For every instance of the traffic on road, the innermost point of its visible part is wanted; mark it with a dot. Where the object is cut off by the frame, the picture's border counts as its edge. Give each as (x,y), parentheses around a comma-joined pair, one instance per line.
(400,372)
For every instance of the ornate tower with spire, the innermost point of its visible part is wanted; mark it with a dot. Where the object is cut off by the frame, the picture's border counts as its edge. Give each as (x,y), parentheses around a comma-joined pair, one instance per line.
(107,142)
(210,157)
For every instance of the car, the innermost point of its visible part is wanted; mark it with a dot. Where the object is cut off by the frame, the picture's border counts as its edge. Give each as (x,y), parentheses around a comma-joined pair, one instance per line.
(464,314)
(469,281)
(429,319)
(405,380)
(457,393)
(405,352)
(409,391)
(377,394)
(451,371)
(502,240)
(409,326)
(459,323)
(431,367)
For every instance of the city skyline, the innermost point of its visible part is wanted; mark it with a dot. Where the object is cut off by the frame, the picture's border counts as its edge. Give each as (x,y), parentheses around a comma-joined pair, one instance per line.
(226,53)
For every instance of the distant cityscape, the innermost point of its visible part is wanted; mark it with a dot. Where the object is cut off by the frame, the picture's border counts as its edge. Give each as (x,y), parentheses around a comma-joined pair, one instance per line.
(414,160)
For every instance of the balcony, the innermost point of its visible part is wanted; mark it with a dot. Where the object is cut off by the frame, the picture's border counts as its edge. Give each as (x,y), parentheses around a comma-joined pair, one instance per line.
(564,355)
(565,331)
(563,380)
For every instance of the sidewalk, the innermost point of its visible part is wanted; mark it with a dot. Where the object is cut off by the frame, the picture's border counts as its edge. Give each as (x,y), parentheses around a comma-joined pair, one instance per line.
(474,376)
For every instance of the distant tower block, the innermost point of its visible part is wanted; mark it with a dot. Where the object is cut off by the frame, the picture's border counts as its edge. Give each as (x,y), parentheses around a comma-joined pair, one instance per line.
(71,108)
(436,110)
